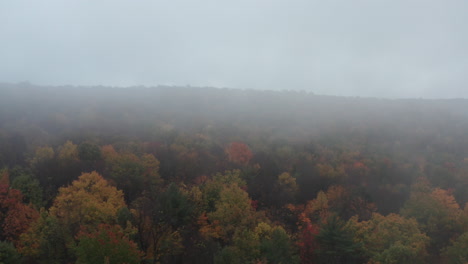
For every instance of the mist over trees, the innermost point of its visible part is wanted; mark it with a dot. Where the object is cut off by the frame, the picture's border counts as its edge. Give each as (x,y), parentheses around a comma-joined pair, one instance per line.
(206,175)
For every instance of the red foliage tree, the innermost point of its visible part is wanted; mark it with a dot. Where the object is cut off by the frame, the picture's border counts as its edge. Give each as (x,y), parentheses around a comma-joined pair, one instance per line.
(307,243)
(15,217)
(239,153)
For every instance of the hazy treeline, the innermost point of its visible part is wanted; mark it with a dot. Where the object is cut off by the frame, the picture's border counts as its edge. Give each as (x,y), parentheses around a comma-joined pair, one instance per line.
(207,175)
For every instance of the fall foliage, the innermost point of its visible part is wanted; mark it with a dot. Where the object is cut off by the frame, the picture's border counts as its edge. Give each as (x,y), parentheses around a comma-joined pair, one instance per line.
(318,180)
(239,152)
(106,245)
(88,201)
(15,216)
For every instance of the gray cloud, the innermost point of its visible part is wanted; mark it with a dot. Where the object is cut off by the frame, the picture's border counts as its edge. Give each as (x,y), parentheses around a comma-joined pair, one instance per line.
(360,48)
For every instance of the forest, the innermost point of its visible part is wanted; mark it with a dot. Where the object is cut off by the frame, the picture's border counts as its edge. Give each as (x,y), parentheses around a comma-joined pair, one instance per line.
(208,175)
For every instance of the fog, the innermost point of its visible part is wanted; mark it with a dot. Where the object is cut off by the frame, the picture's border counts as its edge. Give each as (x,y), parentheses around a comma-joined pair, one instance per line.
(393,49)
(246,131)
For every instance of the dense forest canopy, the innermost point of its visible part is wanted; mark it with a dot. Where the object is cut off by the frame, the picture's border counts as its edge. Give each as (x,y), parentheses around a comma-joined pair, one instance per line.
(206,175)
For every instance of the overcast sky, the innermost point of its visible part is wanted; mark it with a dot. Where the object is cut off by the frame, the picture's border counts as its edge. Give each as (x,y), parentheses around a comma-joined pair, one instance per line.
(394,48)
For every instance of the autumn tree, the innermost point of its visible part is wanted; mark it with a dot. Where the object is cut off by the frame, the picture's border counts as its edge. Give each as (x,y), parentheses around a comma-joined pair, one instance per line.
(318,209)
(277,247)
(24,181)
(308,246)
(332,174)
(391,239)
(42,154)
(348,202)
(243,249)
(8,253)
(134,175)
(341,201)
(436,211)
(186,165)
(239,153)
(15,216)
(457,252)
(88,201)
(287,188)
(211,188)
(263,244)
(229,219)
(233,210)
(68,151)
(47,241)
(4,177)
(162,219)
(107,244)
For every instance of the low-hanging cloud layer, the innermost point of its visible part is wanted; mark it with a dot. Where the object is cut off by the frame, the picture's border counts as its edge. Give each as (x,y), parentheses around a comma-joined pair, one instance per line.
(398,48)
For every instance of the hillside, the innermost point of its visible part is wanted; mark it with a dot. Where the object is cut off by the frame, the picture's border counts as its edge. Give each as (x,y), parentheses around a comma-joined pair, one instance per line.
(208,175)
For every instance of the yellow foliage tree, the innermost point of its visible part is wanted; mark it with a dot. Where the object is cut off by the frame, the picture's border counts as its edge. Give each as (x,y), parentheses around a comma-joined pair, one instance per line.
(88,201)
(437,212)
(68,151)
(42,154)
(391,239)
(233,210)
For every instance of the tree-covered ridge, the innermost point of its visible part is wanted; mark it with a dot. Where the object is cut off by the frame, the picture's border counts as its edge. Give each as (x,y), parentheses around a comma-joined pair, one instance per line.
(185,175)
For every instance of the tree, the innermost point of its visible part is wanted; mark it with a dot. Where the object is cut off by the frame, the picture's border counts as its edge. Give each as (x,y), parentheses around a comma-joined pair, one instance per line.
(30,188)
(15,217)
(340,201)
(47,241)
(228,255)
(277,247)
(456,252)
(436,211)
(233,211)
(287,188)
(229,219)
(262,244)
(391,239)
(89,154)
(336,242)
(307,241)
(46,170)
(43,154)
(239,153)
(245,244)
(107,244)
(133,174)
(347,202)
(4,177)
(12,149)
(8,253)
(88,201)
(175,207)
(69,165)
(162,220)
(69,151)
(318,209)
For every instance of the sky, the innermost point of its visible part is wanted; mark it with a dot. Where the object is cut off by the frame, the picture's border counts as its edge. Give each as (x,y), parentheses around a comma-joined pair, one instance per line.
(367,48)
